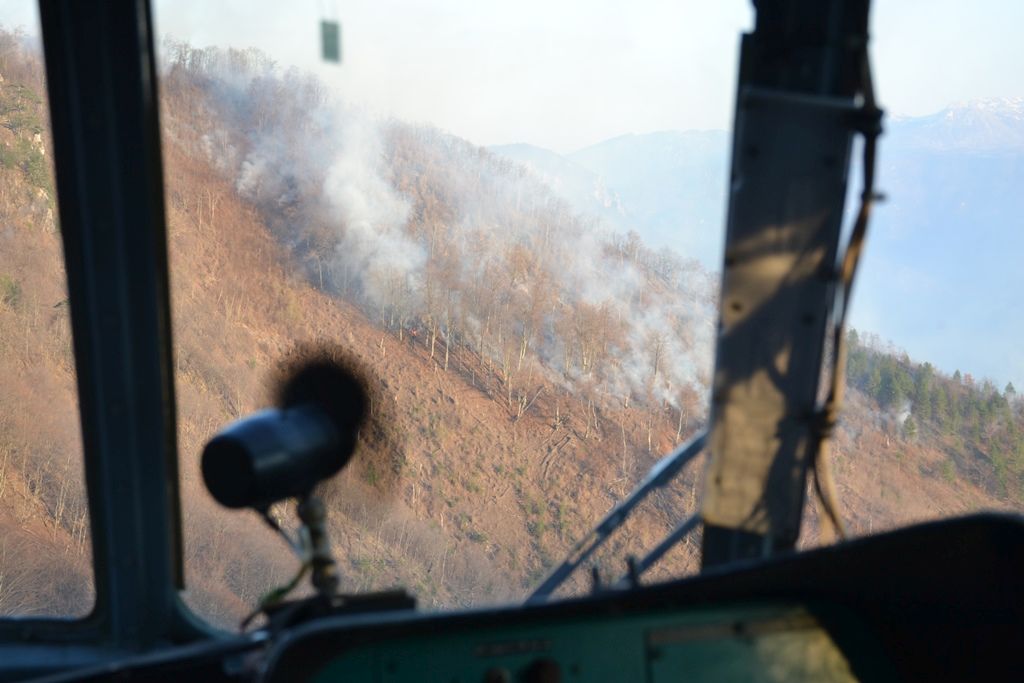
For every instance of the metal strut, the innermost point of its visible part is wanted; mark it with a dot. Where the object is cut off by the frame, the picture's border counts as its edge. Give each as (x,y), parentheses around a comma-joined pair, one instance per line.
(638,567)
(662,473)
(803,94)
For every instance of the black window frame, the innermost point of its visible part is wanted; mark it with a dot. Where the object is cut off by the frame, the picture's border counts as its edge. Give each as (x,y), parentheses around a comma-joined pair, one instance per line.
(104,110)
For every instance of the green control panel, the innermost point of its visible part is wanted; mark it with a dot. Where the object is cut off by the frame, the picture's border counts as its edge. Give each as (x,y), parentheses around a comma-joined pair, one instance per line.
(773,643)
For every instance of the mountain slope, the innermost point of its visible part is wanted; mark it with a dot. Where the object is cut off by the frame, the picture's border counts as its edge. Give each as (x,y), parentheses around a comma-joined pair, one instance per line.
(980,126)
(669,187)
(525,372)
(940,271)
(581,187)
(673,183)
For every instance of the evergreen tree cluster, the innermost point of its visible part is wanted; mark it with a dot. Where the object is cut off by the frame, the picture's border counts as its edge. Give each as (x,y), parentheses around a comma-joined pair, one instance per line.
(976,419)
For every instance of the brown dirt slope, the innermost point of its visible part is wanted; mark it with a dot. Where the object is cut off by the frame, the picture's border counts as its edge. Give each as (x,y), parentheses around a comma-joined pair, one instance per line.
(458,493)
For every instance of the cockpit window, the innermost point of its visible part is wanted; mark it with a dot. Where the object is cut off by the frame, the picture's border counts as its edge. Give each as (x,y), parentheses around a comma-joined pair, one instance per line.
(933,422)
(529,352)
(45,551)
(512,220)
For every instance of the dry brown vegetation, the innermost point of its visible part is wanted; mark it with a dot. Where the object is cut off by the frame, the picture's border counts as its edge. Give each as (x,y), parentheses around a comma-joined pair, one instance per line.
(507,415)
(44,549)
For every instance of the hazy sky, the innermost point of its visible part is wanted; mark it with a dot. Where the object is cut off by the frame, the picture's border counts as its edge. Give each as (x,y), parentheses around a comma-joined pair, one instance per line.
(565,74)
(568,74)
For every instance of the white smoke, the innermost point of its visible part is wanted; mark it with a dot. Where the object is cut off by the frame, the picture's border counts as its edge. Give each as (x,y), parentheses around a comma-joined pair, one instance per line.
(315,165)
(903,411)
(599,309)
(374,241)
(668,327)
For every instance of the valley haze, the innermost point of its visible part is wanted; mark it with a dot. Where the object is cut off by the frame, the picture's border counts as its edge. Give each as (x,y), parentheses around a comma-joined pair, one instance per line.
(940,275)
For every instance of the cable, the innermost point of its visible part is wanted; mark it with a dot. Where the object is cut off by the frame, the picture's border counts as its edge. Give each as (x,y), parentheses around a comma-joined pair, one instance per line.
(870,127)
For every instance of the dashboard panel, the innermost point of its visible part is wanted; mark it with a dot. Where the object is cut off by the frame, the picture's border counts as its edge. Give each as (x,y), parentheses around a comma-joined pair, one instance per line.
(939,601)
(756,643)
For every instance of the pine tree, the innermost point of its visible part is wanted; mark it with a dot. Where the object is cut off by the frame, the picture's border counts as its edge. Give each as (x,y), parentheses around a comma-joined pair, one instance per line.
(910,427)
(874,383)
(923,391)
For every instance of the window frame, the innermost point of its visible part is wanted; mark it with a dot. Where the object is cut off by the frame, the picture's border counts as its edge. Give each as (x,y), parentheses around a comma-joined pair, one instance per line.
(110,196)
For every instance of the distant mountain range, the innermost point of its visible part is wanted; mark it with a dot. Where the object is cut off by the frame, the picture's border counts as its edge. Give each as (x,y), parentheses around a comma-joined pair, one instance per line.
(942,273)
(991,125)
(582,187)
(668,186)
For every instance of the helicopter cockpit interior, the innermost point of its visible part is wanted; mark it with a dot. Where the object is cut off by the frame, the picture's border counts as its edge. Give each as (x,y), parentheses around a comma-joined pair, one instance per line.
(941,600)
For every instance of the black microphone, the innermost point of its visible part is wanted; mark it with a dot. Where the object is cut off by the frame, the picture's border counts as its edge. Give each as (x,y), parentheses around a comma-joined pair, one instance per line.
(284,452)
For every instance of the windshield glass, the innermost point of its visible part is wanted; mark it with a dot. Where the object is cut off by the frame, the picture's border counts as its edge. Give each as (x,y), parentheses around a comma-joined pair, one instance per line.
(932,426)
(45,551)
(511,218)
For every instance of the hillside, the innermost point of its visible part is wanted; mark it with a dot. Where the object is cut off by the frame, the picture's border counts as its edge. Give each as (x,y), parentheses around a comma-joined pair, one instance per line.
(940,273)
(582,188)
(526,368)
(44,548)
(669,187)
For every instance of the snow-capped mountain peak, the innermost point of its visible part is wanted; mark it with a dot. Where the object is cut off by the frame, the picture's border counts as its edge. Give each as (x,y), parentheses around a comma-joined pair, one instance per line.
(1008,107)
(990,125)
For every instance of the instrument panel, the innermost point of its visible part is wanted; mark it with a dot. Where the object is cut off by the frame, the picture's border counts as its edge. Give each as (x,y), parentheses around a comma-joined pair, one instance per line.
(770,643)
(940,601)
(936,602)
